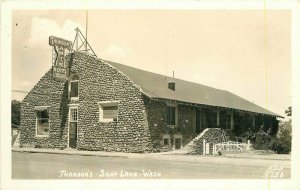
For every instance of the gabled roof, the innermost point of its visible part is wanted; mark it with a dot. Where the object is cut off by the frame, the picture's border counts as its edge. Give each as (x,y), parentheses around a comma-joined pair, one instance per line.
(156,86)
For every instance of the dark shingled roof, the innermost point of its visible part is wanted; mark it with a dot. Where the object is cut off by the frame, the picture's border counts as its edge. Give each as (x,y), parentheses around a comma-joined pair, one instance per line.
(156,86)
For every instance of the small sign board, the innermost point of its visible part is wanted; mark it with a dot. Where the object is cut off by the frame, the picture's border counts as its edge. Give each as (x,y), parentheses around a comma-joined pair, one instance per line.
(60,67)
(55,41)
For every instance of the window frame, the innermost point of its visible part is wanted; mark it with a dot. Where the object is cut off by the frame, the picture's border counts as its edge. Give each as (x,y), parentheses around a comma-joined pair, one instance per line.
(176,114)
(72,106)
(73,78)
(70,89)
(177,136)
(70,114)
(168,137)
(41,108)
(107,103)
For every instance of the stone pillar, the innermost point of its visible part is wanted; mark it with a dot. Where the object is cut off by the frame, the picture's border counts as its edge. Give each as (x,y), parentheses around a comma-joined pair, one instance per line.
(204,143)
(218,118)
(231,121)
(207,151)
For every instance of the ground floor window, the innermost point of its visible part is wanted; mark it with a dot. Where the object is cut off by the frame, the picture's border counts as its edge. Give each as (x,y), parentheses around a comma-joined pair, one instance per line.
(177,141)
(42,121)
(108,111)
(166,140)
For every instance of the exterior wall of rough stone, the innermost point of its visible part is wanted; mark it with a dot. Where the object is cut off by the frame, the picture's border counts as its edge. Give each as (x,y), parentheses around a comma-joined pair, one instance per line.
(211,136)
(187,123)
(47,92)
(156,116)
(99,82)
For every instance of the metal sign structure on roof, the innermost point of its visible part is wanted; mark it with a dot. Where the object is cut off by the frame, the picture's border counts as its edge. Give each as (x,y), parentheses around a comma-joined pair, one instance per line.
(81,44)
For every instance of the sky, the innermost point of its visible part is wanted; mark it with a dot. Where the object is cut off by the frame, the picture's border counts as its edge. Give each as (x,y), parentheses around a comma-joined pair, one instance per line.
(223,49)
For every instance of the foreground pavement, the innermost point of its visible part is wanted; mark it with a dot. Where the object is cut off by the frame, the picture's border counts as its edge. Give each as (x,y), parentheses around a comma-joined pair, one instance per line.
(103,165)
(70,151)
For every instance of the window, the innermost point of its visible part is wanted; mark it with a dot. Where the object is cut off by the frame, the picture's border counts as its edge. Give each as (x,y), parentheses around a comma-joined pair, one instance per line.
(166,140)
(171,115)
(42,121)
(108,111)
(171,85)
(73,115)
(74,89)
(73,86)
(177,141)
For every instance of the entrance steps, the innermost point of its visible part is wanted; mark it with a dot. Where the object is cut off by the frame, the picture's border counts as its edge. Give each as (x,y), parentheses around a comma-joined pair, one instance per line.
(210,136)
(190,145)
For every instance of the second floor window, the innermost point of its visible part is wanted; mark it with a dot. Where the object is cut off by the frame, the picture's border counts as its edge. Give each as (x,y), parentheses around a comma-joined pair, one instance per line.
(73,87)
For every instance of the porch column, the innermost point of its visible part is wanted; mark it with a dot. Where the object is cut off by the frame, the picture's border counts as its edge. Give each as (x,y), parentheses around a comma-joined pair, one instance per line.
(253,121)
(218,118)
(231,121)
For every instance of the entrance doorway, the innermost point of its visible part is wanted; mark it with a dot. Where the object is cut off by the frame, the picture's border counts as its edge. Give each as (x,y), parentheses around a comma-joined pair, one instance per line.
(73,118)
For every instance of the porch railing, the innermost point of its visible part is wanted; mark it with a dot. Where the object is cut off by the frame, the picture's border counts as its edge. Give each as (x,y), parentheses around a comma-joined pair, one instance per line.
(231,146)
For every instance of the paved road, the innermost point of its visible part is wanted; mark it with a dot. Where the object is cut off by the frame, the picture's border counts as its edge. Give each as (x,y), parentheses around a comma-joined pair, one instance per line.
(56,166)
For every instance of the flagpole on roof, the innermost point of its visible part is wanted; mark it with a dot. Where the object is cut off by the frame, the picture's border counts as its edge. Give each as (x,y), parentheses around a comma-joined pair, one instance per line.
(266,51)
(86,29)
(80,43)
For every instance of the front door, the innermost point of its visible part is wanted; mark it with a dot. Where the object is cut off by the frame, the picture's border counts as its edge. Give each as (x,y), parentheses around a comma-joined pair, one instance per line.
(198,121)
(73,134)
(73,117)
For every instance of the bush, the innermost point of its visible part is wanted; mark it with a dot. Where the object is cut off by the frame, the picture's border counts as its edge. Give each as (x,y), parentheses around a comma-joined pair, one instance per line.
(282,144)
(262,140)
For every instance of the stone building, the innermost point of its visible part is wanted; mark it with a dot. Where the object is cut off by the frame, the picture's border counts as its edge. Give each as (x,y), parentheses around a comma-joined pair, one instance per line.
(106,106)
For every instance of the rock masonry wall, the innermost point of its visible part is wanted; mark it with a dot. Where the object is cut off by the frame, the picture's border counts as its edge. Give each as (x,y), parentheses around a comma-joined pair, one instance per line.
(47,92)
(99,81)
(211,136)
(156,116)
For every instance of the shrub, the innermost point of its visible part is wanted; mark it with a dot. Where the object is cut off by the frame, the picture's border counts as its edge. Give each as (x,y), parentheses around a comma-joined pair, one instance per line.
(282,144)
(262,141)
